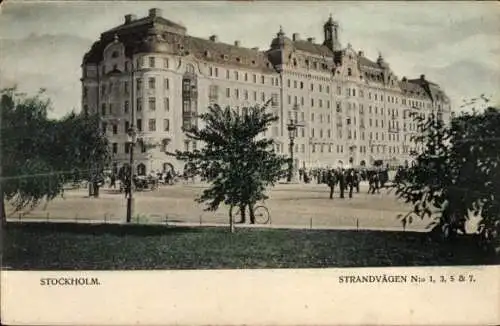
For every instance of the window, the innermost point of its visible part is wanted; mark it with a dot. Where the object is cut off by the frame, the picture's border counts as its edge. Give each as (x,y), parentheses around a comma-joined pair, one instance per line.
(125,87)
(152,124)
(301,85)
(246,94)
(328,89)
(274,99)
(353,92)
(262,79)
(339,107)
(312,102)
(227,74)
(166,125)
(236,76)
(246,76)
(255,96)
(320,88)
(115,148)
(152,83)
(349,72)
(237,93)
(104,127)
(254,78)
(312,132)
(110,108)
(127,126)
(329,132)
(228,92)
(115,129)
(312,117)
(139,104)
(165,63)
(152,104)
(294,84)
(289,99)
(166,104)
(139,84)
(103,109)
(263,96)
(166,83)
(312,87)
(302,100)
(320,103)
(139,124)
(152,62)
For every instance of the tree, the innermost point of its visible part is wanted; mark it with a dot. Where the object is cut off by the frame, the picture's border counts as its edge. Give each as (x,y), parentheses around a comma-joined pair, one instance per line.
(40,154)
(456,172)
(238,164)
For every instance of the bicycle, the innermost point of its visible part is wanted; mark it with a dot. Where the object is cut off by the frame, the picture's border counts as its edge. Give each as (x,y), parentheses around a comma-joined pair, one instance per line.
(260,212)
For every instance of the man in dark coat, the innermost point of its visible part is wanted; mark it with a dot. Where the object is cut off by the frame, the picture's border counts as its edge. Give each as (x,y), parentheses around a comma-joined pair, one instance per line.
(331,181)
(342,182)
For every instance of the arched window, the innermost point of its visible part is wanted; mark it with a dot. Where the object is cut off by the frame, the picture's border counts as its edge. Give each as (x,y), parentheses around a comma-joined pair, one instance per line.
(190,68)
(141,169)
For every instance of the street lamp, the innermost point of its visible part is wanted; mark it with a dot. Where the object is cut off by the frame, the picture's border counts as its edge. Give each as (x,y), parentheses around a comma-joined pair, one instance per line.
(292,133)
(132,139)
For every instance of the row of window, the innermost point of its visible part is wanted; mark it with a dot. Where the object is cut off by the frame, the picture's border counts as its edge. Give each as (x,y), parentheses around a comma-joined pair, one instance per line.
(240,76)
(110,87)
(108,108)
(237,94)
(126,126)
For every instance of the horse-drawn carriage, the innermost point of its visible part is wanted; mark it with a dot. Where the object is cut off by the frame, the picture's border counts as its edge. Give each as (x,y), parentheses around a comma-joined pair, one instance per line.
(141,183)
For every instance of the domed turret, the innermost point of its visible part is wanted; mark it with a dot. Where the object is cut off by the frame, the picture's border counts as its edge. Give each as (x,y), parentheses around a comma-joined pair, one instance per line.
(281,41)
(381,62)
(153,43)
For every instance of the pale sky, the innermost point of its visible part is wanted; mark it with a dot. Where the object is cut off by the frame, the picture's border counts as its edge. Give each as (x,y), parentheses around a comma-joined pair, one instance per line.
(456,44)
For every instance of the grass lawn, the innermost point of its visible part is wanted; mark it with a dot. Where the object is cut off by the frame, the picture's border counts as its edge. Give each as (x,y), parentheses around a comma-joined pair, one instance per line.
(55,246)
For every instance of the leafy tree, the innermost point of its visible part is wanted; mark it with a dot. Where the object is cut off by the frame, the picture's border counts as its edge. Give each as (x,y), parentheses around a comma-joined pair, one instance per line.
(238,164)
(39,154)
(456,172)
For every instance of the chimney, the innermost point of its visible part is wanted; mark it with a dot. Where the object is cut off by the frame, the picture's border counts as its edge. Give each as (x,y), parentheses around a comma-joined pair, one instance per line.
(361,54)
(214,38)
(311,39)
(237,43)
(296,37)
(130,18)
(422,77)
(154,12)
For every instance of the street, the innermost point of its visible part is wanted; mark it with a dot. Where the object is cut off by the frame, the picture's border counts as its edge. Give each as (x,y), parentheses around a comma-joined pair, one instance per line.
(290,205)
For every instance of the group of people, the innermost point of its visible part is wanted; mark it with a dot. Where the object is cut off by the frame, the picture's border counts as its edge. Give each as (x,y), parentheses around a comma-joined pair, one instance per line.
(347,179)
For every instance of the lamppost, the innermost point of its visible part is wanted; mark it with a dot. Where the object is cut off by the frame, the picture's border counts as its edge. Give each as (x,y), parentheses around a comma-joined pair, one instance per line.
(292,133)
(132,139)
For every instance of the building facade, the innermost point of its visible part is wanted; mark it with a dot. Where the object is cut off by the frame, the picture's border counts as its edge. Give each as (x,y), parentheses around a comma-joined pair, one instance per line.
(149,74)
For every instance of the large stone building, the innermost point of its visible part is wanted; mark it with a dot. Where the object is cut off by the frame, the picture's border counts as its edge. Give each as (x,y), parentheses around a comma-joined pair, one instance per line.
(351,109)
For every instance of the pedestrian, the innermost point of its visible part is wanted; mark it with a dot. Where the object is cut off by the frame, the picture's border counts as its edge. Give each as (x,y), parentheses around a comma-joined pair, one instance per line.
(342,183)
(112,183)
(331,181)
